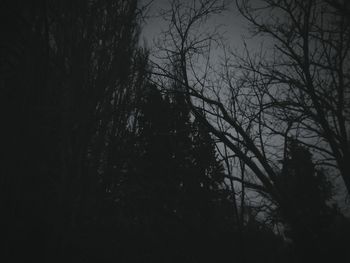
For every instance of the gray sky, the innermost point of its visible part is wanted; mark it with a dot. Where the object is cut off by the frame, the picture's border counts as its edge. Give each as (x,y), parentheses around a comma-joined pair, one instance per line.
(234,25)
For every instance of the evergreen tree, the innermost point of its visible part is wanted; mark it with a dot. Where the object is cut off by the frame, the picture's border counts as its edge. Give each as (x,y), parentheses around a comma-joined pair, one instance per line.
(173,191)
(308,191)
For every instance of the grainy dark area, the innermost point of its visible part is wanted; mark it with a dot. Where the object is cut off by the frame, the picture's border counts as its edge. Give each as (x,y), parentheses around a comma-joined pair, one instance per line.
(183,150)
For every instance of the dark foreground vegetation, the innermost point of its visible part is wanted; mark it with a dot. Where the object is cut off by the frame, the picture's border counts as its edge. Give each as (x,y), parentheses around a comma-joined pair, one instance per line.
(110,156)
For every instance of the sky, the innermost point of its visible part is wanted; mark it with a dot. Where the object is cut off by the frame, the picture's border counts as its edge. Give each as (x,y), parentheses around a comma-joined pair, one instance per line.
(233,24)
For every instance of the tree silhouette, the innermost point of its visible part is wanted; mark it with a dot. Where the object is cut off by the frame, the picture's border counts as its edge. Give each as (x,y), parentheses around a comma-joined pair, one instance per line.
(64,65)
(309,192)
(174,189)
(309,65)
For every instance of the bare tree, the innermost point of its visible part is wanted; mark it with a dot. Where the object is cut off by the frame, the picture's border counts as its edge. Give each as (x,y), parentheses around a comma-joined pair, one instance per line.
(214,100)
(254,104)
(305,75)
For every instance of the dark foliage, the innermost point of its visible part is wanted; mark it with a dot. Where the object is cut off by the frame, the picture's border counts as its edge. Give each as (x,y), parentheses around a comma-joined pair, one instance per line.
(172,195)
(309,218)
